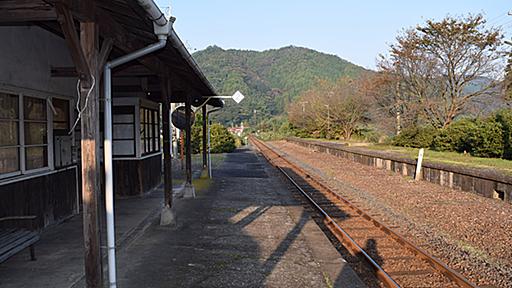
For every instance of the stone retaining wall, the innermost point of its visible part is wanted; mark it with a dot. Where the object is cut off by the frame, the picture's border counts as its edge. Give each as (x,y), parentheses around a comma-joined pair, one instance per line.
(485,182)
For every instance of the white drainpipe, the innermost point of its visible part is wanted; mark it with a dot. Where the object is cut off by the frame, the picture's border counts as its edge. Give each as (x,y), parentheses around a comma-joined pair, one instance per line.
(161,28)
(209,142)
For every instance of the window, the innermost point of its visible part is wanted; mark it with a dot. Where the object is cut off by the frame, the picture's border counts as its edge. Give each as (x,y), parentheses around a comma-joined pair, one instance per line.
(24,130)
(61,115)
(123,134)
(149,130)
(36,135)
(9,129)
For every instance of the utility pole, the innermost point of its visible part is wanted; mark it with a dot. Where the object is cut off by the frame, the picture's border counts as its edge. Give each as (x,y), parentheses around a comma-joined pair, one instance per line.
(328,119)
(303,108)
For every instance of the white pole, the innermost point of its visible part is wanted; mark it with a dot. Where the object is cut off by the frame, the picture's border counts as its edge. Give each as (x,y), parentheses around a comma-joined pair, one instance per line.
(418,164)
(209,153)
(107,149)
(109,179)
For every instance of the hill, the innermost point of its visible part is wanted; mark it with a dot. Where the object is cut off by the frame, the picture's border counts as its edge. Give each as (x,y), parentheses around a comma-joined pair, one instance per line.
(270,79)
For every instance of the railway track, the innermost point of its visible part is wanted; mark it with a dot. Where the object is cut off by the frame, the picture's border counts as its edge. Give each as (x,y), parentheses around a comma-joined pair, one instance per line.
(395,261)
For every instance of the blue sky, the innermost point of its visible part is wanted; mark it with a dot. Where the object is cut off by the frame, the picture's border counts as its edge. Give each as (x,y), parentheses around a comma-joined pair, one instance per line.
(354,30)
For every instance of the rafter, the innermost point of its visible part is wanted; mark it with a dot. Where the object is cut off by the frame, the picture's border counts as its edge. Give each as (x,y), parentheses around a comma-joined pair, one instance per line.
(69,30)
(19,11)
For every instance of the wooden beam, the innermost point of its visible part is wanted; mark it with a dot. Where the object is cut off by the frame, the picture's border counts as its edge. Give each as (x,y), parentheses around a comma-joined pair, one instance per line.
(166,127)
(69,30)
(90,137)
(63,72)
(188,142)
(19,11)
(106,47)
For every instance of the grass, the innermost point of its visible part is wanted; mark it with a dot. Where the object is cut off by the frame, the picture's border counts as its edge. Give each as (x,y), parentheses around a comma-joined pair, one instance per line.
(448,157)
(455,158)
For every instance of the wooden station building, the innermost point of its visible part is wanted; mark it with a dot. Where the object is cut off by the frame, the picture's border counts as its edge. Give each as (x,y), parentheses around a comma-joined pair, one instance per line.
(52,54)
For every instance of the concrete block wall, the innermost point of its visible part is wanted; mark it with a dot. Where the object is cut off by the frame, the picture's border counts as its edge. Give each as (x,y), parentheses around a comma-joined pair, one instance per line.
(485,182)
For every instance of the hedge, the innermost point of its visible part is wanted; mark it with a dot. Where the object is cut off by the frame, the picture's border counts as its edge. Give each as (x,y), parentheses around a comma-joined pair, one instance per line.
(490,137)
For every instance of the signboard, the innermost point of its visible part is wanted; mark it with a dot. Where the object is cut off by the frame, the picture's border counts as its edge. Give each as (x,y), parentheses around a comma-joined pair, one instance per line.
(238,97)
(178,117)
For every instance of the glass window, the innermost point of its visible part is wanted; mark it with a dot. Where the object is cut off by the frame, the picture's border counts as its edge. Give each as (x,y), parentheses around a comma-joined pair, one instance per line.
(33,125)
(34,109)
(61,115)
(36,157)
(123,133)
(9,131)
(35,132)
(149,132)
(9,160)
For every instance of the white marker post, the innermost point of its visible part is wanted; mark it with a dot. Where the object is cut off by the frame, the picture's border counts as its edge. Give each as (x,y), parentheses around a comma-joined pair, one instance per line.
(418,164)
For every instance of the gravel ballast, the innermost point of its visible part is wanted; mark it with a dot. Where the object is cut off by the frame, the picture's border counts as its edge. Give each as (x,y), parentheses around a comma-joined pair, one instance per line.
(470,233)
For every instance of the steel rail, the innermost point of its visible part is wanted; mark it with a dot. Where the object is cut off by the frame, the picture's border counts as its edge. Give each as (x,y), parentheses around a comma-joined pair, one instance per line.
(453,275)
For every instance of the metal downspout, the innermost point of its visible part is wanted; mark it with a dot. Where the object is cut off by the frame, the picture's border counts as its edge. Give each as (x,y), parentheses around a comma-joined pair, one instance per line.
(161,27)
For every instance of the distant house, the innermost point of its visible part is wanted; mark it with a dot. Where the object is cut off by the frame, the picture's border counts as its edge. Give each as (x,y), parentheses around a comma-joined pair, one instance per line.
(238,131)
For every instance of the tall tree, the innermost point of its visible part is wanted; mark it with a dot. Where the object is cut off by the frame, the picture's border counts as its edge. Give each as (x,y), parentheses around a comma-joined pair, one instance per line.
(507,83)
(442,65)
(331,109)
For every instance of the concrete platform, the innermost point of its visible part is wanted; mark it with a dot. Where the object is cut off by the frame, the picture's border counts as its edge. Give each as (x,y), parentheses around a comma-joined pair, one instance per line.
(243,229)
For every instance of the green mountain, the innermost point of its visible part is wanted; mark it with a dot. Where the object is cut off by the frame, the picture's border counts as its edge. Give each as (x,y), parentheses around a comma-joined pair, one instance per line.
(269,79)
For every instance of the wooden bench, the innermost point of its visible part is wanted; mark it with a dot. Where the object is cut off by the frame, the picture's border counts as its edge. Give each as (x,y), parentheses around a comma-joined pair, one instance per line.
(14,240)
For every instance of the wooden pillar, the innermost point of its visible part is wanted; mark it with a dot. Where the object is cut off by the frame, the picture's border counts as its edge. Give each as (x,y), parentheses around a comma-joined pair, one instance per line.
(90,137)
(166,97)
(188,142)
(205,163)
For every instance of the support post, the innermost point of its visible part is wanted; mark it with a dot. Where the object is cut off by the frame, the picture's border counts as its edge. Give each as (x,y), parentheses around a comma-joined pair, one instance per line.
(189,188)
(205,161)
(167,217)
(167,139)
(174,136)
(90,137)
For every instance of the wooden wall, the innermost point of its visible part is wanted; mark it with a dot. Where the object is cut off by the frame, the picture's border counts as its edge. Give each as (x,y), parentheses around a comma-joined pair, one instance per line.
(485,182)
(138,176)
(51,197)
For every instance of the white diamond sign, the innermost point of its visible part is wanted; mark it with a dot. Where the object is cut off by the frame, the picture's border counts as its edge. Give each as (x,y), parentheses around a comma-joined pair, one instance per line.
(238,97)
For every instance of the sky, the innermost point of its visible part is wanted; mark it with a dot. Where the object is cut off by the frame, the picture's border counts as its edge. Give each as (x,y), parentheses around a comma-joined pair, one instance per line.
(357,31)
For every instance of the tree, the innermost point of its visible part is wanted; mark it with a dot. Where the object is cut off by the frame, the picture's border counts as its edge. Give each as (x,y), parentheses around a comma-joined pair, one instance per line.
(507,85)
(330,110)
(443,65)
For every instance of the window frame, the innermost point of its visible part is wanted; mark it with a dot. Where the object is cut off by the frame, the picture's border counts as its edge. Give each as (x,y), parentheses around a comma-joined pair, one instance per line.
(150,126)
(17,146)
(134,134)
(47,97)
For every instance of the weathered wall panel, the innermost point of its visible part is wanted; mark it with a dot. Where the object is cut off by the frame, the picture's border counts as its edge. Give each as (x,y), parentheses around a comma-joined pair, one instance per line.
(51,197)
(138,176)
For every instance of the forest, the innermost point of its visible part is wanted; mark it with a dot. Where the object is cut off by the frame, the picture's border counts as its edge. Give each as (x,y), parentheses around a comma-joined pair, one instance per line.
(444,85)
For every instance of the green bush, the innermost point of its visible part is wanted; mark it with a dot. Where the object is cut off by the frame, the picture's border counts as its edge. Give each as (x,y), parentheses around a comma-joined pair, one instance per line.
(221,140)
(416,137)
(486,140)
(454,137)
(504,117)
